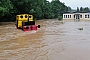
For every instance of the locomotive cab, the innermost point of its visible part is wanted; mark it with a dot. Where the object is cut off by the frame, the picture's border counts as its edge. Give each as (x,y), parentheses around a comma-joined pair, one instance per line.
(25,20)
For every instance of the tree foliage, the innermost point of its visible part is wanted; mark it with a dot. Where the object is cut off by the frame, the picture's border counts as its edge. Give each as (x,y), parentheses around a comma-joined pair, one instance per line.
(5,7)
(81,9)
(58,8)
(77,9)
(85,9)
(40,9)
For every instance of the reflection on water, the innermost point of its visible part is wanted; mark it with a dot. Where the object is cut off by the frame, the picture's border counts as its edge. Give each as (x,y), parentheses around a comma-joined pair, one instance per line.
(55,40)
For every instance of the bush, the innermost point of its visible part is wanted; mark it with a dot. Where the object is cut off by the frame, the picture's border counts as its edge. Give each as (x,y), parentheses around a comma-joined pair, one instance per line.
(52,16)
(59,17)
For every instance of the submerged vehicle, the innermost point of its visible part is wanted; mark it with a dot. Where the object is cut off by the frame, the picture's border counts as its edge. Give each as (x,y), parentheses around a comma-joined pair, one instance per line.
(26,22)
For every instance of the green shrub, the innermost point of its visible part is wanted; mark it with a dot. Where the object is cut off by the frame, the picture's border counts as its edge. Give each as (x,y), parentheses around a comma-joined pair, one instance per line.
(80,28)
(59,17)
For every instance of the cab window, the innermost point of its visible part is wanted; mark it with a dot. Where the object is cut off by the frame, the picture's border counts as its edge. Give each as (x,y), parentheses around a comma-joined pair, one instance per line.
(25,16)
(29,16)
(21,16)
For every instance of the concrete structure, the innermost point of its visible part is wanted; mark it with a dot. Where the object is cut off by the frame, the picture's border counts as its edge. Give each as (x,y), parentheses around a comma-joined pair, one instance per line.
(76,16)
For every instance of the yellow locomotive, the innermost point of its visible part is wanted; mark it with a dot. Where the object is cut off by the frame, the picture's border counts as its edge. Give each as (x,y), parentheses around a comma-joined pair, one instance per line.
(25,21)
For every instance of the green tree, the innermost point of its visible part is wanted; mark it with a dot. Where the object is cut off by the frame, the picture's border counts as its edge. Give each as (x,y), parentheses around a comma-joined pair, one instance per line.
(77,9)
(69,9)
(86,9)
(40,9)
(46,8)
(58,7)
(81,9)
(5,8)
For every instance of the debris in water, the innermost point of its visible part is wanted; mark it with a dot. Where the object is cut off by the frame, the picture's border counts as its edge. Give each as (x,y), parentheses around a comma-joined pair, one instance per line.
(80,28)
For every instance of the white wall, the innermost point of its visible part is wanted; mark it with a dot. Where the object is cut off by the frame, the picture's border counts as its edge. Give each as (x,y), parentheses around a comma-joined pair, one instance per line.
(68,16)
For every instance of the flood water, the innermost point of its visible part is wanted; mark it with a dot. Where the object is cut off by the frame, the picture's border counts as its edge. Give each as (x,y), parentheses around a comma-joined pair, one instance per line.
(55,40)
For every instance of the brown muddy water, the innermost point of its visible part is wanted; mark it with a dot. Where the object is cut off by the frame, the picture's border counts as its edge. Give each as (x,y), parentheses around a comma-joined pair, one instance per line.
(55,40)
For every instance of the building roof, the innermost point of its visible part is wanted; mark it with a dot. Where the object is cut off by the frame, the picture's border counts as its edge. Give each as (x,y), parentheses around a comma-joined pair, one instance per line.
(75,12)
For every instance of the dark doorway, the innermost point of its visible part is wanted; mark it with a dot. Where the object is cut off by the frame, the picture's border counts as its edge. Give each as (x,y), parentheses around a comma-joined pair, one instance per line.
(77,16)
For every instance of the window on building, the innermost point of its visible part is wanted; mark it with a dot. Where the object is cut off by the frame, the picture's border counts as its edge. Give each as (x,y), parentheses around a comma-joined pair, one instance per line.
(85,16)
(66,16)
(70,16)
(88,16)
(80,16)
(74,16)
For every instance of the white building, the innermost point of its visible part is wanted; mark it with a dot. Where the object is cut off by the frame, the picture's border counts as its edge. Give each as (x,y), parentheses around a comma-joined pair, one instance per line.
(76,16)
